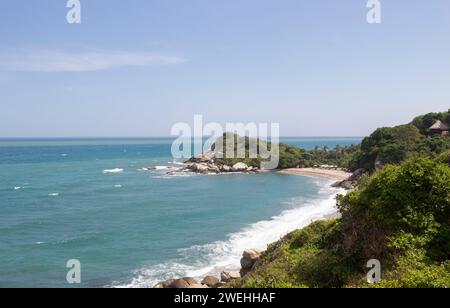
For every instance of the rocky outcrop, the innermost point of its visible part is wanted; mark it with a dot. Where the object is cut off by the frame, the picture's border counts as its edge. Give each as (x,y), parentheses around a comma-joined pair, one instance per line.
(357,174)
(206,164)
(229,276)
(249,258)
(239,167)
(179,284)
(347,185)
(350,183)
(211,281)
(183,283)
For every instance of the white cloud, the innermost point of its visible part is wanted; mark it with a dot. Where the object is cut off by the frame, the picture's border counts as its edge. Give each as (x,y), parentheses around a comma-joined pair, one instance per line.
(56,61)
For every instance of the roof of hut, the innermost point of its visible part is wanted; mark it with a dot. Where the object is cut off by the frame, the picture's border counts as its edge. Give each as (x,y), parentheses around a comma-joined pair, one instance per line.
(439,126)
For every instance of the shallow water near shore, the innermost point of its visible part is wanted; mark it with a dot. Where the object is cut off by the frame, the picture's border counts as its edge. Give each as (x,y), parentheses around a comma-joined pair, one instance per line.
(90,200)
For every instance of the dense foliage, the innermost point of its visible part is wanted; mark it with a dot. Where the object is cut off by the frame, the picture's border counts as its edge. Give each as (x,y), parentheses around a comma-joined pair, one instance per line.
(400,215)
(388,145)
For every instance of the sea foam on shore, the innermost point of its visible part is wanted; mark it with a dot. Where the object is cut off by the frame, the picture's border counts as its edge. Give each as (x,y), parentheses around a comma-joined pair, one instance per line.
(211,259)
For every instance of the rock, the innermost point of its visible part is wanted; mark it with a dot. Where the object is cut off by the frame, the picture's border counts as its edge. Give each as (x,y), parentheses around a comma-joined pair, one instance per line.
(210,281)
(248,261)
(357,174)
(249,257)
(198,286)
(219,285)
(213,168)
(179,284)
(164,284)
(239,167)
(346,185)
(190,281)
(229,276)
(225,168)
(337,184)
(202,168)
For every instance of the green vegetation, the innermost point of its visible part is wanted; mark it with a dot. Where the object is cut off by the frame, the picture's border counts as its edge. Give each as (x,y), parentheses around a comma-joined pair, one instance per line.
(388,145)
(400,215)
(290,156)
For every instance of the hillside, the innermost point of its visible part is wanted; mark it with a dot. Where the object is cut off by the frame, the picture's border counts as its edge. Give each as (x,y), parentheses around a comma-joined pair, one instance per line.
(400,215)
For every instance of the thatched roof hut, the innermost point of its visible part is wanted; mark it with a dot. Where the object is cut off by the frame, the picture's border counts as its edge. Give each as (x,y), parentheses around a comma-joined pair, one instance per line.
(439,128)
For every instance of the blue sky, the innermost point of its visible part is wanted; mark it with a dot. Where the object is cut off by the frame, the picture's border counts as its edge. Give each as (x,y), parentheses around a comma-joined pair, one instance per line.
(134,68)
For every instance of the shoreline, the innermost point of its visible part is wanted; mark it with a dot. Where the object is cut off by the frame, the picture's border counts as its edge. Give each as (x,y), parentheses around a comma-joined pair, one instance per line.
(336,175)
(317,209)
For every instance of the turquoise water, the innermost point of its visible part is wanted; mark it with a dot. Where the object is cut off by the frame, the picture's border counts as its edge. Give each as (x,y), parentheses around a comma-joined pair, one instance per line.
(90,200)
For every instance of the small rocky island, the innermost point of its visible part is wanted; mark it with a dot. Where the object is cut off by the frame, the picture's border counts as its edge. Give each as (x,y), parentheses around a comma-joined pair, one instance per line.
(206,163)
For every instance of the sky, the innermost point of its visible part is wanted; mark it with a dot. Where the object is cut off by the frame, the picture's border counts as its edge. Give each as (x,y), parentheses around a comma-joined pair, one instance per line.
(135,68)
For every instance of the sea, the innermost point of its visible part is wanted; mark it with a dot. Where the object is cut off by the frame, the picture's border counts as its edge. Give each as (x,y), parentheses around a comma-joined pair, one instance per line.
(91,200)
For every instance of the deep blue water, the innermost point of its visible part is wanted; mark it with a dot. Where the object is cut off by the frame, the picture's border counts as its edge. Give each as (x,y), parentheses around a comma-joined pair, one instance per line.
(135,227)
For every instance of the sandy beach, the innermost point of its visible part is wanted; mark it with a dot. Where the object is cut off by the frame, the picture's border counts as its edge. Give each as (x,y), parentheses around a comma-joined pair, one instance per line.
(337,175)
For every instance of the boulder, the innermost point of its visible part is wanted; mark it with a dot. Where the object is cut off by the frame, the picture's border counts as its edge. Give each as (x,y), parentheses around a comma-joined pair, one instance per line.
(239,167)
(164,284)
(198,286)
(179,284)
(202,168)
(225,168)
(190,281)
(346,185)
(229,276)
(249,257)
(210,281)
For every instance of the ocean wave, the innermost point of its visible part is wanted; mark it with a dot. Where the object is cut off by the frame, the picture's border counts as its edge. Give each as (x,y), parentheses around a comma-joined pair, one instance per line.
(211,259)
(116,170)
(17,188)
(53,195)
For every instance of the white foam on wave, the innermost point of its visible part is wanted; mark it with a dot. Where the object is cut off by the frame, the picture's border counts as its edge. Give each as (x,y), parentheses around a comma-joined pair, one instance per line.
(53,195)
(116,170)
(17,188)
(162,167)
(211,259)
(118,186)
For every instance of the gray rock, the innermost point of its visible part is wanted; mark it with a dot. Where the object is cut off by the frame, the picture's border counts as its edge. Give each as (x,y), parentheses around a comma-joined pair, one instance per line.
(179,284)
(229,276)
(190,281)
(239,167)
(164,284)
(202,168)
(249,258)
(225,168)
(198,286)
(357,174)
(210,281)
(347,185)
